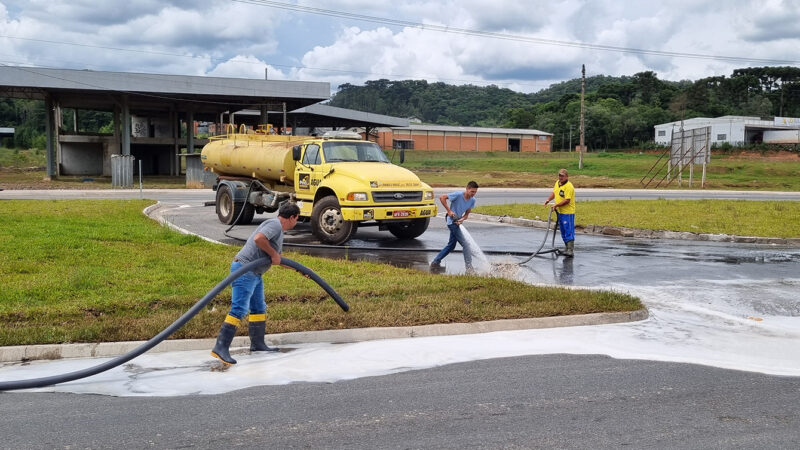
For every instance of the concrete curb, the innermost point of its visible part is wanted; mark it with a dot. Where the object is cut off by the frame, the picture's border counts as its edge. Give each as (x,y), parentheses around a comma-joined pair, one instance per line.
(641,233)
(154,212)
(111,349)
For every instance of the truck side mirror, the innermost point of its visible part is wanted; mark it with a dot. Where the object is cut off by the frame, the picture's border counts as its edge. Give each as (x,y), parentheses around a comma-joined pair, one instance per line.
(402,155)
(296,153)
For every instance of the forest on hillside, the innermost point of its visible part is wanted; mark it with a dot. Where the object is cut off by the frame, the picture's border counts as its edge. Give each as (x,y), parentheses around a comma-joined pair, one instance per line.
(28,120)
(620,111)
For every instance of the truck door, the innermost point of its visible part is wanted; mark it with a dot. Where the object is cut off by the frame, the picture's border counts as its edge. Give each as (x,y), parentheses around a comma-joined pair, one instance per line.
(308,174)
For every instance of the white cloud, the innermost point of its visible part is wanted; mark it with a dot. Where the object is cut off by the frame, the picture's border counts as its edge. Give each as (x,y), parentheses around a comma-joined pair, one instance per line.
(143,36)
(225,38)
(246,66)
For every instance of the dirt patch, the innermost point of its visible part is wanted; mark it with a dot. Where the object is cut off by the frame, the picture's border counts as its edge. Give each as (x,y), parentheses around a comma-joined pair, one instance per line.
(768,156)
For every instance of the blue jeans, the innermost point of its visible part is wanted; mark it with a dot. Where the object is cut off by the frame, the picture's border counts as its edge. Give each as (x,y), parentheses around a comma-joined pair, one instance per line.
(248,294)
(455,236)
(566,222)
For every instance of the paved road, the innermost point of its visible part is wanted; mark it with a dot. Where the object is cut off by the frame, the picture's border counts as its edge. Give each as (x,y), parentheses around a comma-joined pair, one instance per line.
(555,401)
(488,196)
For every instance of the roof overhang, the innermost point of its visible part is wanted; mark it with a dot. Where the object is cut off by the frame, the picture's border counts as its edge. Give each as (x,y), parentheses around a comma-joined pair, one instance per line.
(330,116)
(87,89)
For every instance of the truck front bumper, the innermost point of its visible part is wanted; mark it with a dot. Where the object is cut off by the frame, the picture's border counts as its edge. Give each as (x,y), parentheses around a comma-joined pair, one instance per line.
(379,213)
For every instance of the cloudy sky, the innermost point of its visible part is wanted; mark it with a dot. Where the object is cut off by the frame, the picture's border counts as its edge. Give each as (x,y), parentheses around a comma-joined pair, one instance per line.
(521,45)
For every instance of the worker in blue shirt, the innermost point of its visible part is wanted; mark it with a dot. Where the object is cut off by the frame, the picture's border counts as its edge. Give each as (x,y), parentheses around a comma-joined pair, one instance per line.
(460,205)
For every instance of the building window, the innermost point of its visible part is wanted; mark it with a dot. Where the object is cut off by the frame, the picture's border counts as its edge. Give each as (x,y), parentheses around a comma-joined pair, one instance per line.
(722,137)
(542,138)
(662,133)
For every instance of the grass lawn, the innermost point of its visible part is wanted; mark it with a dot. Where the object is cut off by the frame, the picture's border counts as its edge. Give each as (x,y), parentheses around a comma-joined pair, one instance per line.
(600,170)
(738,217)
(99,270)
(24,169)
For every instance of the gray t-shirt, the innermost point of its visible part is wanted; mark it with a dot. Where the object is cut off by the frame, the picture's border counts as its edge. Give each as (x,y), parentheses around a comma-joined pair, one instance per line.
(273,230)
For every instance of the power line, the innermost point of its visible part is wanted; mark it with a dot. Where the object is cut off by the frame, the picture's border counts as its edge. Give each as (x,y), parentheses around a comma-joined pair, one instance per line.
(509,37)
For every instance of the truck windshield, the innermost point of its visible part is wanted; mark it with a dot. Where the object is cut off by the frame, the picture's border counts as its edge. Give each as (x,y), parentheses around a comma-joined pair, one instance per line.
(339,151)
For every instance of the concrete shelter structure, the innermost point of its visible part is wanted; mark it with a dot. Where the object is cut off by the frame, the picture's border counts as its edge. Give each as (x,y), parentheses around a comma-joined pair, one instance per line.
(149,112)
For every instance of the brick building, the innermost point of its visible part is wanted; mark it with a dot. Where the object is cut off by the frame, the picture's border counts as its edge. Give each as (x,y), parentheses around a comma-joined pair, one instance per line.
(465,139)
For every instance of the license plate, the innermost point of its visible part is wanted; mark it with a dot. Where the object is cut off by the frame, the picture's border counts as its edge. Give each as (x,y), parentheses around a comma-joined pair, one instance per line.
(401,213)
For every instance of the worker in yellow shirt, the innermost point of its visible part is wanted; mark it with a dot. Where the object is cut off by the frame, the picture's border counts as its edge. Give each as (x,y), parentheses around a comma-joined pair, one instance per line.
(564,206)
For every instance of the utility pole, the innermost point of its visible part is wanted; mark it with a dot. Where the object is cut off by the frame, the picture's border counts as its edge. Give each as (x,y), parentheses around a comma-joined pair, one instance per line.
(583,92)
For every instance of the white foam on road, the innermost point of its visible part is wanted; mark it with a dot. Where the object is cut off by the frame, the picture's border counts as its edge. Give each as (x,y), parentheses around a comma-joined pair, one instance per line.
(709,322)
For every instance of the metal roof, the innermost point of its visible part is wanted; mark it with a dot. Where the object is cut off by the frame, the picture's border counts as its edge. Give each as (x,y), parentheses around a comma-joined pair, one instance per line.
(327,116)
(446,128)
(324,116)
(714,120)
(90,89)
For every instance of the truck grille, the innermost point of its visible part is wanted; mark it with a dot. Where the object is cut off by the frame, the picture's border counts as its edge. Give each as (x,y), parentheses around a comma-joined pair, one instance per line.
(396,196)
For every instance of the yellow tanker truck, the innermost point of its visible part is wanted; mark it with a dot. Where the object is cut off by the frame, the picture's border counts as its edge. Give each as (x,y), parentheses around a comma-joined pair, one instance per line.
(339,181)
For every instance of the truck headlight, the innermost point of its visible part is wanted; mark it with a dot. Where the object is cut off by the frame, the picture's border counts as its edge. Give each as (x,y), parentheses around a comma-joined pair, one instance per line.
(428,195)
(357,196)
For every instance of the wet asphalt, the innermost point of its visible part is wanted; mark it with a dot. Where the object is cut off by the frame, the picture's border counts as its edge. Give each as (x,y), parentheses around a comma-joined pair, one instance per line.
(599,260)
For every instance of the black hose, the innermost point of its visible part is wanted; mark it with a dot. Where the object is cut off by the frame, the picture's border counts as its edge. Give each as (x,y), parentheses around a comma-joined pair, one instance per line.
(310,274)
(119,360)
(241,211)
(539,250)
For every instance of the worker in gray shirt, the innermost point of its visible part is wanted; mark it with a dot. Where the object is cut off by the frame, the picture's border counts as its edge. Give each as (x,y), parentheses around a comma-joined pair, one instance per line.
(248,289)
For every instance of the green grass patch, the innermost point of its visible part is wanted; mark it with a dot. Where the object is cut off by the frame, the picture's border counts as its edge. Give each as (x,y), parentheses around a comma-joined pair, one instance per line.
(24,169)
(19,158)
(737,217)
(99,270)
(600,170)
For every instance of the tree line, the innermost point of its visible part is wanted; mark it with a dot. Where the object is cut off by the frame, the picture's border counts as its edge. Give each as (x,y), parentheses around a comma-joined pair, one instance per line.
(27,117)
(620,111)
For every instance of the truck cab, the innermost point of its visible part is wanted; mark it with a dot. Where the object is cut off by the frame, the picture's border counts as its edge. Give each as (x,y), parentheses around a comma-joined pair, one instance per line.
(343,182)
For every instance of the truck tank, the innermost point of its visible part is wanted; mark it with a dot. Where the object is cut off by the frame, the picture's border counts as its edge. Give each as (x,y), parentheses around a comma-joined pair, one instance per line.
(265,157)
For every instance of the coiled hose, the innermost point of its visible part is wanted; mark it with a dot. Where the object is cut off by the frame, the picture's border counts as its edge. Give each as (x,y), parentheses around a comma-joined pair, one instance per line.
(539,250)
(122,359)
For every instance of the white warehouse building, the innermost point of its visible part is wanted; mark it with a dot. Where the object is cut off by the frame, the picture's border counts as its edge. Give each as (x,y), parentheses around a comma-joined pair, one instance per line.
(736,130)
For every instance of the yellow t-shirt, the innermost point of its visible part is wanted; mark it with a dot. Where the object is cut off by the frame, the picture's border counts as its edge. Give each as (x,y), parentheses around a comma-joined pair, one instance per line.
(560,193)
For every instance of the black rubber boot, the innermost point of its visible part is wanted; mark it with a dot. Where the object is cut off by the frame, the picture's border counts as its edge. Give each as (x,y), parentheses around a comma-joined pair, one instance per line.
(224,339)
(569,252)
(257,344)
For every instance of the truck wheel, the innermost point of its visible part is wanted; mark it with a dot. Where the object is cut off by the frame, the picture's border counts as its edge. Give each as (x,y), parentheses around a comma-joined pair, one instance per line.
(247,215)
(327,222)
(228,210)
(409,230)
